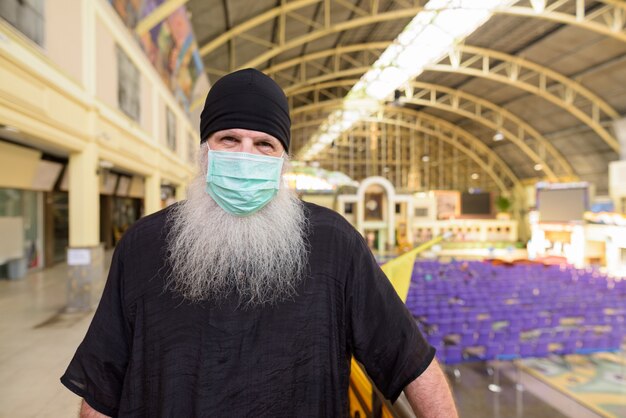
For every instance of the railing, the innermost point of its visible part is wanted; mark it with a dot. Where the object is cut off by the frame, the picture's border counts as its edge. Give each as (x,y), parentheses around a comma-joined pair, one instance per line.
(365,401)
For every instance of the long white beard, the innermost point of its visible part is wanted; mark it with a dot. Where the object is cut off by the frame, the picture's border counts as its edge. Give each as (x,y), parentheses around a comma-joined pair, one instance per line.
(211,253)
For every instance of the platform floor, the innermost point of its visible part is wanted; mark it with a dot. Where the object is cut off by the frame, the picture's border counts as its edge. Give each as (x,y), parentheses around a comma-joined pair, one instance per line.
(37,343)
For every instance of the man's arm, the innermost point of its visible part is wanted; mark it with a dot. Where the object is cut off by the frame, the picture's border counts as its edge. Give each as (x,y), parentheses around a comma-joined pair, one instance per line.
(430,395)
(87,411)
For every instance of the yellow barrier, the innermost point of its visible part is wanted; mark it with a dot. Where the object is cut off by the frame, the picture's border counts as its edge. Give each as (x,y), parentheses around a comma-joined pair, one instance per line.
(399,270)
(361,393)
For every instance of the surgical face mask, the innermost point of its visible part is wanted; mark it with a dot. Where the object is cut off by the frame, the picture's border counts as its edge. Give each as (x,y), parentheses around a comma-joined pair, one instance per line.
(242,183)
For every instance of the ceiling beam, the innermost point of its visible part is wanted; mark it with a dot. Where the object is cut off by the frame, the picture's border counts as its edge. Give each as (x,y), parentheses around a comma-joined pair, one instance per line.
(542,82)
(518,69)
(335,28)
(539,80)
(608,19)
(453,135)
(482,111)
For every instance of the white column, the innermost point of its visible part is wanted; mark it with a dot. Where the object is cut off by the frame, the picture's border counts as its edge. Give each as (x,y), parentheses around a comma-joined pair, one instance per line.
(181,192)
(152,202)
(84,197)
(619,126)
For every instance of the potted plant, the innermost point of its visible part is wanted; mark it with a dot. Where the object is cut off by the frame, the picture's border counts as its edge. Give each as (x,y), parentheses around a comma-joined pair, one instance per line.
(503,205)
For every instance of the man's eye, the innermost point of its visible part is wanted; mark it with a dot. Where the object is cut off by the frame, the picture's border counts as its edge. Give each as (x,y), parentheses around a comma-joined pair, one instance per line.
(228,139)
(265,144)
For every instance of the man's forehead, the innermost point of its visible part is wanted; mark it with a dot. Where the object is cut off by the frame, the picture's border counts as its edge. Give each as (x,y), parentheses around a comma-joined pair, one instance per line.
(245,133)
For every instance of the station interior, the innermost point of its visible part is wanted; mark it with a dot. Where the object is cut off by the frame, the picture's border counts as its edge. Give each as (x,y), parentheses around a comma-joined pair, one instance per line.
(479,147)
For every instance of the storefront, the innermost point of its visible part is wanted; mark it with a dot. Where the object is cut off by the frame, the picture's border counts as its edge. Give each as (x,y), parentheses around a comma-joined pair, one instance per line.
(29,198)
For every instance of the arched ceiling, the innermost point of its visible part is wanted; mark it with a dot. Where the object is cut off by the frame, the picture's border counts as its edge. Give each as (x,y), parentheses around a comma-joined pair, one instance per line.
(552,81)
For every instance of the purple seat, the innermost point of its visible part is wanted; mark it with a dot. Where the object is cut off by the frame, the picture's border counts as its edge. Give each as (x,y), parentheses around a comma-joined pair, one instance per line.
(555,320)
(499,337)
(541,349)
(471,324)
(453,354)
(491,351)
(559,336)
(544,321)
(509,351)
(435,339)
(512,335)
(467,339)
(594,344)
(529,322)
(568,346)
(439,351)
(444,328)
(526,349)
(615,339)
(515,325)
(484,325)
(482,339)
(574,334)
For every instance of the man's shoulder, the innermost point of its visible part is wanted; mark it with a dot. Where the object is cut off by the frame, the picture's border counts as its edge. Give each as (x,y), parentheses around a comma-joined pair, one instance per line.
(321,217)
(323,214)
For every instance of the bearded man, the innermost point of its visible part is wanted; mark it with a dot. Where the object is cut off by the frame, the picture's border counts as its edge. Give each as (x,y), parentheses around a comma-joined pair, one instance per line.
(244,300)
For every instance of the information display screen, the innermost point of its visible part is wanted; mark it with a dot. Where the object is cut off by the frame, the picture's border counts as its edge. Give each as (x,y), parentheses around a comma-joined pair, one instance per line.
(561,205)
(476,204)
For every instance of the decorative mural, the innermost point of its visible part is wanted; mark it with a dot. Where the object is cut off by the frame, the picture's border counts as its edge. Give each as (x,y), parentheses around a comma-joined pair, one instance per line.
(170,46)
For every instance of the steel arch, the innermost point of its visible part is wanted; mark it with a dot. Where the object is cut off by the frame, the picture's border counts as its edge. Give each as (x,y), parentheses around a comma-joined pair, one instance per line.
(497,66)
(485,157)
(484,112)
(549,82)
(608,20)
(519,73)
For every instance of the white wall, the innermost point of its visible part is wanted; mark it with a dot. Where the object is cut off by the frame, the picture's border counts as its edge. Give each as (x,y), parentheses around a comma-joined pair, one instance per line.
(63,36)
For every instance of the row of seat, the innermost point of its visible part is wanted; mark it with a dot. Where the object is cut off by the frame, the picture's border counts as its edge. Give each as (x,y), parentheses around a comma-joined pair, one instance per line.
(478,311)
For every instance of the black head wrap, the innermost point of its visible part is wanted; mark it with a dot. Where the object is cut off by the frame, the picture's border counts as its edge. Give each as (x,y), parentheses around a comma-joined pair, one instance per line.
(246,99)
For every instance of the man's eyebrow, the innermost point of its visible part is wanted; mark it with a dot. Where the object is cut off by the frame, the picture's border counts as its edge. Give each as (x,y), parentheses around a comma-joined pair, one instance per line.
(265,138)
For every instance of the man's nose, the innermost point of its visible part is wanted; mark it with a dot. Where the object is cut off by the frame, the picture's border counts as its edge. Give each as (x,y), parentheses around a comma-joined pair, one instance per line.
(247,145)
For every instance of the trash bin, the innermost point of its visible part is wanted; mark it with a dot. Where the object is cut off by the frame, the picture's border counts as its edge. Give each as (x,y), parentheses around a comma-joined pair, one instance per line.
(16,268)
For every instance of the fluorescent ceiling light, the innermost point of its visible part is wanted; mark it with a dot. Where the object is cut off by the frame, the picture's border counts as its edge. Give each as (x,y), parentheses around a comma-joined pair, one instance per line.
(538,167)
(538,5)
(499,136)
(430,36)
(10,128)
(475,176)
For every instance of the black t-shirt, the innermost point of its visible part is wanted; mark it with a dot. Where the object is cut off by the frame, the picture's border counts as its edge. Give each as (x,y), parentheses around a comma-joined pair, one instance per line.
(150,353)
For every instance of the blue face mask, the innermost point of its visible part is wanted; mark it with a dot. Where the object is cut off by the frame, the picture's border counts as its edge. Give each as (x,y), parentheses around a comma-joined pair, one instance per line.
(242,183)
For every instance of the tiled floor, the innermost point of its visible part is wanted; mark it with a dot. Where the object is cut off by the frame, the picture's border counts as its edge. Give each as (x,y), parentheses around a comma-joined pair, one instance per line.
(37,342)
(521,395)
